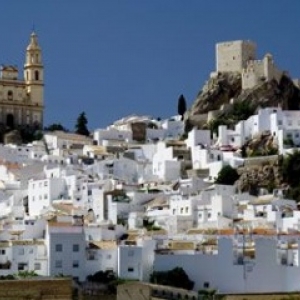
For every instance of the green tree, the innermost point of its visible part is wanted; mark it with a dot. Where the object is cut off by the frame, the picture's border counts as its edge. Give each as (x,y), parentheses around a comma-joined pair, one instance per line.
(227,175)
(102,277)
(214,124)
(175,277)
(242,110)
(181,106)
(55,126)
(26,274)
(81,125)
(291,169)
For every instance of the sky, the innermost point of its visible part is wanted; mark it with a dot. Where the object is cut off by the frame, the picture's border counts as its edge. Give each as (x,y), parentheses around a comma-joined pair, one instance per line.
(114,58)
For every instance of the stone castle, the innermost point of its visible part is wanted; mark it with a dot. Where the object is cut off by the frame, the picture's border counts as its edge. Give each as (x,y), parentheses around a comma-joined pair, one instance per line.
(21,99)
(240,56)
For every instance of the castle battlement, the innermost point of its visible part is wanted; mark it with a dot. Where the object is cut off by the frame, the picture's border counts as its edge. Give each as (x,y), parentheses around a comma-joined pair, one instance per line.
(239,56)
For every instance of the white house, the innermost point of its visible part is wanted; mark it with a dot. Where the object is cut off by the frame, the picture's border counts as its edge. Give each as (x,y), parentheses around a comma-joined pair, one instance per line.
(264,265)
(135,261)
(66,248)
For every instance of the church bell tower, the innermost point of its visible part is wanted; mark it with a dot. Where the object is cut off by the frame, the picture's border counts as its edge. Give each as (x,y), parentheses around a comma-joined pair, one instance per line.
(34,76)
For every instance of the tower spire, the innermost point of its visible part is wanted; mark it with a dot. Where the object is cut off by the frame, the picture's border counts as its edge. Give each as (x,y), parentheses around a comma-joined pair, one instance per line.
(34,72)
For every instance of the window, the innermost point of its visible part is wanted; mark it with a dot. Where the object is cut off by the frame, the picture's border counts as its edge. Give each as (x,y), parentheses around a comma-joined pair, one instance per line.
(45,196)
(37,266)
(108,256)
(36,75)
(2,252)
(22,266)
(130,252)
(75,264)
(10,95)
(130,269)
(21,251)
(46,183)
(58,247)
(58,264)
(200,215)
(209,215)
(75,248)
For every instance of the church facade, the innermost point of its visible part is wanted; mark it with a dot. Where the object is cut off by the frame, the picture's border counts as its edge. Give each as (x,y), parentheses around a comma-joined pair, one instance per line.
(22,99)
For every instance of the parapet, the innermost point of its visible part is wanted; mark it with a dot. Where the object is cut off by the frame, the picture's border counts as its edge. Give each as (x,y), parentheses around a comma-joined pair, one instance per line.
(9,72)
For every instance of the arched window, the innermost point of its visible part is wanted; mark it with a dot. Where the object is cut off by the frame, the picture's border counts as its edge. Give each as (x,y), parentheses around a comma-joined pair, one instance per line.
(27,77)
(10,95)
(36,75)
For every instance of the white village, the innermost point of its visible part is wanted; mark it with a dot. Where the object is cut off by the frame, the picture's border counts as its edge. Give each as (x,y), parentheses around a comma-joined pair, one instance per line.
(145,195)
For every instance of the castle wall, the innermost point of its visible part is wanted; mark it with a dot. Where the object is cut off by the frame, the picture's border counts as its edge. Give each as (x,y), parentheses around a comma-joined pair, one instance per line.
(258,71)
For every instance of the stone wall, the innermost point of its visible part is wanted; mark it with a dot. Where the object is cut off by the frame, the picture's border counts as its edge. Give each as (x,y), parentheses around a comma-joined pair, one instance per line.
(294,296)
(258,71)
(45,289)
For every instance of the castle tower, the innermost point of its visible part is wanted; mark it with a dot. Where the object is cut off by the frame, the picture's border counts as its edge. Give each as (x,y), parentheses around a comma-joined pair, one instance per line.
(233,56)
(34,79)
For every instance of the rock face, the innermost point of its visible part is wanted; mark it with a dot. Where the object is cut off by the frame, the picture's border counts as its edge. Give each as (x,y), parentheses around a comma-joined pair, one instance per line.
(260,145)
(216,92)
(266,175)
(219,90)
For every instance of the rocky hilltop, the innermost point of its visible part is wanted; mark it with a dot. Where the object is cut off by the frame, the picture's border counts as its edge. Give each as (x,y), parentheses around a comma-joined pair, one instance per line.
(222,100)
(221,91)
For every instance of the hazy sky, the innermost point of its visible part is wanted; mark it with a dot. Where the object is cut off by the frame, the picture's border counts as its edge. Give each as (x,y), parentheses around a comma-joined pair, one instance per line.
(114,58)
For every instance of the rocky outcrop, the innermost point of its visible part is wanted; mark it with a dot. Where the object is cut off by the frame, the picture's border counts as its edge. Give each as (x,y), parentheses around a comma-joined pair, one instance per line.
(266,175)
(219,90)
(216,92)
(262,164)
(261,145)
